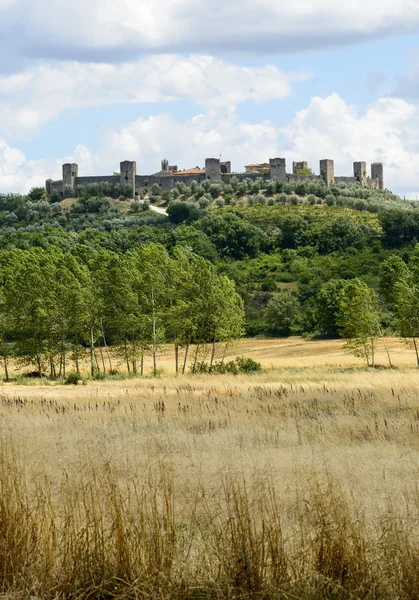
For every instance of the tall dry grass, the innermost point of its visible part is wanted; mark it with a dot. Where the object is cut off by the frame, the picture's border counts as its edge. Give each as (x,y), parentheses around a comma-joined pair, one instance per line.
(212,488)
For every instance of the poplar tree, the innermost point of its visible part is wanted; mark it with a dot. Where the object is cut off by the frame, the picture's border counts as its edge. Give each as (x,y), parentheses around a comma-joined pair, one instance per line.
(358,320)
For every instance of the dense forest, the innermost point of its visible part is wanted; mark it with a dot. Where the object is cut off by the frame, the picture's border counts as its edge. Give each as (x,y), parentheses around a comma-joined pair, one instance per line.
(261,257)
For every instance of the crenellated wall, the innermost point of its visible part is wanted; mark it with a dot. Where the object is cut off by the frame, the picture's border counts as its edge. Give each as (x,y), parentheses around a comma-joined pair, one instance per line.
(216,171)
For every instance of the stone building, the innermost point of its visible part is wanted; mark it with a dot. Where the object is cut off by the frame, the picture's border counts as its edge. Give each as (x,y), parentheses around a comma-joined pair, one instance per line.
(217,171)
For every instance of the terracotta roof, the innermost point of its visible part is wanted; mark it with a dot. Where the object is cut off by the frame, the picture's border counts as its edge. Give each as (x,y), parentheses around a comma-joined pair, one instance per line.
(258,165)
(194,171)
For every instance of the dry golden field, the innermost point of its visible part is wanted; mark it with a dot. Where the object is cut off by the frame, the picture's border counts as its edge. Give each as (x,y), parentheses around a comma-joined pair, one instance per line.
(299,482)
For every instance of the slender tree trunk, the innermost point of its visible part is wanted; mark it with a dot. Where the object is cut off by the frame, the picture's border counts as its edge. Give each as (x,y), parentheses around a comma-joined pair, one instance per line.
(102,358)
(106,347)
(212,354)
(366,355)
(372,354)
(195,359)
(92,353)
(177,358)
(62,354)
(388,352)
(416,350)
(154,335)
(185,358)
(385,345)
(97,362)
(126,355)
(77,353)
(51,368)
(6,368)
(224,353)
(142,362)
(38,362)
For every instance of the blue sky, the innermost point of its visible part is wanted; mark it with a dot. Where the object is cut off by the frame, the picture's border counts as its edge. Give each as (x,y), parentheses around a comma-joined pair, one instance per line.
(105,82)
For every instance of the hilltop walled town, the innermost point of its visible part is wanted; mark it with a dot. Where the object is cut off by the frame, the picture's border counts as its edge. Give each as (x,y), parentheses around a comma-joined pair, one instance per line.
(216,171)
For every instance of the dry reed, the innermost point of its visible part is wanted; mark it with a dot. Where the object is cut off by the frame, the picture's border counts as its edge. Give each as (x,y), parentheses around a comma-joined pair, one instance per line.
(211,488)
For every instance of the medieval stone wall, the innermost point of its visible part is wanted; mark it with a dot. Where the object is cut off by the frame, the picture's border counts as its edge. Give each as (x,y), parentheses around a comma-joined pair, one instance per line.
(214,172)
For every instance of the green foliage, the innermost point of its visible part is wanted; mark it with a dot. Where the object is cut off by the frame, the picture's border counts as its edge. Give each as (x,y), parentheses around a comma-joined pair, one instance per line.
(328,307)
(248,365)
(73,378)
(233,237)
(359,319)
(282,313)
(36,194)
(180,212)
(242,364)
(307,172)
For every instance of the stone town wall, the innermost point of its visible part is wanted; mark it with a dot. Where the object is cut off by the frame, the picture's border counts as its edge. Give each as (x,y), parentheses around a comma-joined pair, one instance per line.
(347,180)
(214,173)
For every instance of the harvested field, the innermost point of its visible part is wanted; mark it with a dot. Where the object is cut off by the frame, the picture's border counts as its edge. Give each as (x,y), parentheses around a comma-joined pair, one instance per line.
(299,482)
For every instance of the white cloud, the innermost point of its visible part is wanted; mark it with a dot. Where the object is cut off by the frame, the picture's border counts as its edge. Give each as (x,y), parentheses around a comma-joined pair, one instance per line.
(387,132)
(19,175)
(31,98)
(188,144)
(110,31)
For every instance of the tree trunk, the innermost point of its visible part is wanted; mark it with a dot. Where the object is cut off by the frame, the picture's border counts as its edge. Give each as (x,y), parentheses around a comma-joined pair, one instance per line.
(106,347)
(195,359)
(77,353)
(177,358)
(388,352)
(6,368)
(63,354)
(126,355)
(385,344)
(185,358)
(224,353)
(416,350)
(142,362)
(92,353)
(366,355)
(372,354)
(212,354)
(102,359)
(154,335)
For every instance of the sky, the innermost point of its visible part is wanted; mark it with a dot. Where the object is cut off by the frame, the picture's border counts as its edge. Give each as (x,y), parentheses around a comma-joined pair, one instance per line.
(100,82)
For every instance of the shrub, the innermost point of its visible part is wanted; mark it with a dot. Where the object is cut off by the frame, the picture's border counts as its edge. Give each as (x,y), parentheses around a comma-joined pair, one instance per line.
(56,196)
(203,202)
(330,200)
(73,378)
(248,365)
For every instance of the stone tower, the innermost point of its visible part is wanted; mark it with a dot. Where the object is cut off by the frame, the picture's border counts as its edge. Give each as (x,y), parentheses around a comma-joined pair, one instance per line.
(164,164)
(327,171)
(70,174)
(360,173)
(128,173)
(278,168)
(213,169)
(377,172)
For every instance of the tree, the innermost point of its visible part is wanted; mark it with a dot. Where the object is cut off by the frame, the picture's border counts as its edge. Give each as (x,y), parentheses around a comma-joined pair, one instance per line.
(358,320)
(281,314)
(392,270)
(327,303)
(406,301)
